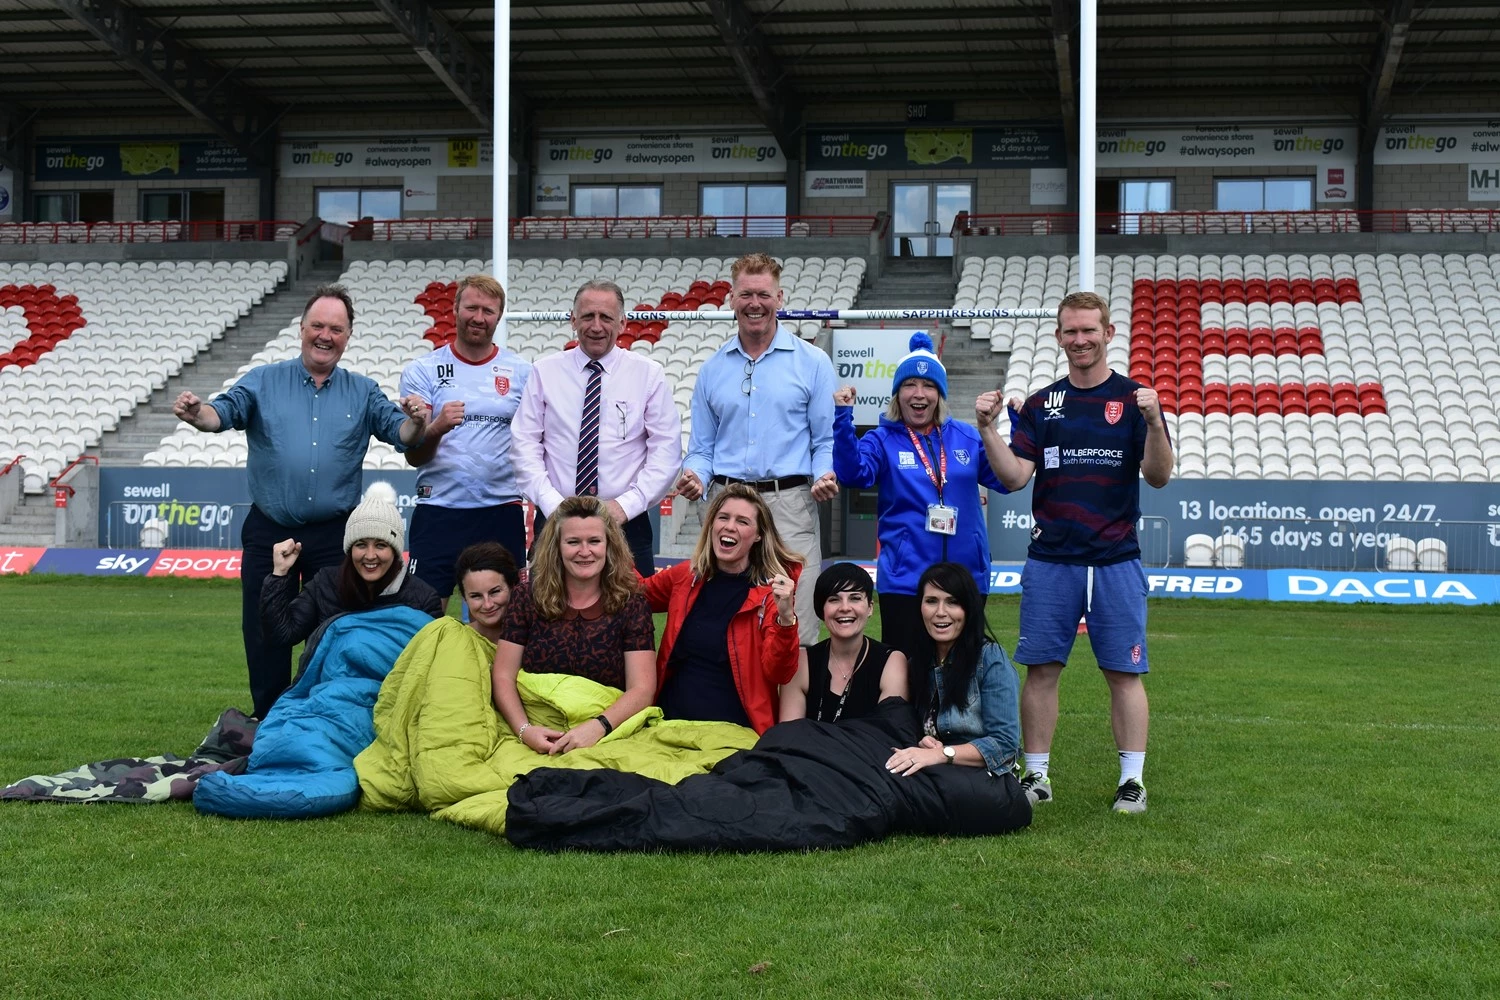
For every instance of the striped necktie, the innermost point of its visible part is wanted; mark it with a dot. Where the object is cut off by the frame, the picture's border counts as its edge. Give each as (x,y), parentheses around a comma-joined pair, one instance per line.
(587,480)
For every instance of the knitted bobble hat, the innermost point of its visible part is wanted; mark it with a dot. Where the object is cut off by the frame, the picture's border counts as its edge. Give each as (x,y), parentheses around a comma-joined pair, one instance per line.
(378,517)
(921,362)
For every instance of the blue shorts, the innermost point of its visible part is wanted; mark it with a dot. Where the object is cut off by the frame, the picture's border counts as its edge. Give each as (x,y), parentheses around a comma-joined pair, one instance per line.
(1112,599)
(439,534)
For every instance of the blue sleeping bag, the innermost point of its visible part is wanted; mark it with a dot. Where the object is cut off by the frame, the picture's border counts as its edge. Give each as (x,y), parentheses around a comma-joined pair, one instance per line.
(302,763)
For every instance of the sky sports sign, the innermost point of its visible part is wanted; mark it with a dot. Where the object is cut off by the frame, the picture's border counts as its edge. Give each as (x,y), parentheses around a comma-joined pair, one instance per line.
(194,563)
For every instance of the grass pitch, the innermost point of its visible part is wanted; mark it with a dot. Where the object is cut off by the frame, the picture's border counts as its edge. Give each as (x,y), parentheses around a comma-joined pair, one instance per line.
(1322,824)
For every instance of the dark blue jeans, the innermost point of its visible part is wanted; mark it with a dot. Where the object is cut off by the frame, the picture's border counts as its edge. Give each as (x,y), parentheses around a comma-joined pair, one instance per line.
(270,665)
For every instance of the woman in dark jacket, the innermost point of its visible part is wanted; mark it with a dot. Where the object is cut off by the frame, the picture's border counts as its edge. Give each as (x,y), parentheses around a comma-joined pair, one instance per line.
(372,575)
(963,686)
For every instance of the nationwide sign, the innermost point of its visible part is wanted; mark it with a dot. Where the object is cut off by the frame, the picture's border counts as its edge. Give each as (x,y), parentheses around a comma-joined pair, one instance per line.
(1439,142)
(835,183)
(724,152)
(132,159)
(980,147)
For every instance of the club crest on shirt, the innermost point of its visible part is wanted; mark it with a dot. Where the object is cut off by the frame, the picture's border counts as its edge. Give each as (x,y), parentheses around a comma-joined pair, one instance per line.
(502,385)
(962,455)
(1113,411)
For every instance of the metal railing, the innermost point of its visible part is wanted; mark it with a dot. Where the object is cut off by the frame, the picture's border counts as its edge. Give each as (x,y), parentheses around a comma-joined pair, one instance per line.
(171,231)
(770,226)
(1405,220)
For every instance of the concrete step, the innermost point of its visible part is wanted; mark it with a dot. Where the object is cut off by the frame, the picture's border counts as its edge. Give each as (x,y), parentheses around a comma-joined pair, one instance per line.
(32,524)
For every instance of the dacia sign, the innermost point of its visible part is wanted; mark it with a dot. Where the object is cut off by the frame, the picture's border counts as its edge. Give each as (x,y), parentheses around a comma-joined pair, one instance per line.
(1382,588)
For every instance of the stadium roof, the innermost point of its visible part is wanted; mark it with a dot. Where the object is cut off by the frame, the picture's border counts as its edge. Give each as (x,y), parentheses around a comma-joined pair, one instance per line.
(241,65)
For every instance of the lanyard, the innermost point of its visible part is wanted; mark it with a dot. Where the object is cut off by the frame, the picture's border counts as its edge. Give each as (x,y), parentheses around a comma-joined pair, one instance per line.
(864,651)
(940,479)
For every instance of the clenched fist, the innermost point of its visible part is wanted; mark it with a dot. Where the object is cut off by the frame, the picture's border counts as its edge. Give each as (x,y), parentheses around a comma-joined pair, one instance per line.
(784,591)
(284,556)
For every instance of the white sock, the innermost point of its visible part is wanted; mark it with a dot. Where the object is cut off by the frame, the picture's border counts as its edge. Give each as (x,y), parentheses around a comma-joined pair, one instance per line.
(1132,763)
(1037,763)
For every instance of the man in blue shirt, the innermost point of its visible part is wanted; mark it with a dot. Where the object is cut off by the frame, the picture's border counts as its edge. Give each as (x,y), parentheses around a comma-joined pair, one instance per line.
(1089,438)
(763,415)
(308,424)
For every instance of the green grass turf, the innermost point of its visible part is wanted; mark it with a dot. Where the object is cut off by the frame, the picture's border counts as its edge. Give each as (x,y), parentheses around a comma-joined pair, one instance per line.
(1322,824)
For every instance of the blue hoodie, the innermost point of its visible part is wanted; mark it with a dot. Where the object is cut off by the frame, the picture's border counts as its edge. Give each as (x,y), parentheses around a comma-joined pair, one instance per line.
(884,458)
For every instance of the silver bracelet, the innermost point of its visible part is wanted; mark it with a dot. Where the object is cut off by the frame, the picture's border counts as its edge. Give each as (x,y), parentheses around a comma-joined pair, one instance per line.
(521,733)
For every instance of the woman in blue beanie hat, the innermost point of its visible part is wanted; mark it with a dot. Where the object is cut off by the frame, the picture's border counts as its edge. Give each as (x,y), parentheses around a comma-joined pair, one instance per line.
(927,469)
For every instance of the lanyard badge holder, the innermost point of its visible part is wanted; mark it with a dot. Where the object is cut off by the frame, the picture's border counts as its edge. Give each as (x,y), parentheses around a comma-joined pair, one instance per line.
(941,519)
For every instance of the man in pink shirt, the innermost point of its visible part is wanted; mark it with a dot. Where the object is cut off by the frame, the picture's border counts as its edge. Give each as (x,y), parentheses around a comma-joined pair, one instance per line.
(599,421)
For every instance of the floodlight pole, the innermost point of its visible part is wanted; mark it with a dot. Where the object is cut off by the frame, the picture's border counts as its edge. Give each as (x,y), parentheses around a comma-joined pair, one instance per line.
(1088,52)
(500,160)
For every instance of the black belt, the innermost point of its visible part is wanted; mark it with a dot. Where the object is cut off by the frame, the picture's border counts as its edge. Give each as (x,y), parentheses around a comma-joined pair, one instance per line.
(764,485)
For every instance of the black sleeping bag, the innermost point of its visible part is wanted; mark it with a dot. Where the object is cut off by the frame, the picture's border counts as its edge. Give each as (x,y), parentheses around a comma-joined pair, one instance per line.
(805,785)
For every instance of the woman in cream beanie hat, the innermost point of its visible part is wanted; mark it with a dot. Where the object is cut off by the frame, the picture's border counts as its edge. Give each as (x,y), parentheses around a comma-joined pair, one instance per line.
(372,574)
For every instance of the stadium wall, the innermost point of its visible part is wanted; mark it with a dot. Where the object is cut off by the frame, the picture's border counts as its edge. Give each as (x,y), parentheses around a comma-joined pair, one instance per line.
(1005,578)
(1283,524)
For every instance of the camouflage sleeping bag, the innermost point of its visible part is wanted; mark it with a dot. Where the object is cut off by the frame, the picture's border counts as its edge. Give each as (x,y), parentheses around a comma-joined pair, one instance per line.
(440,746)
(145,779)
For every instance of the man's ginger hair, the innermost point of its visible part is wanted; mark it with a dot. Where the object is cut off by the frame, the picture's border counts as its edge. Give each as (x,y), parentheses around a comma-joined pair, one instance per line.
(1084,300)
(755,263)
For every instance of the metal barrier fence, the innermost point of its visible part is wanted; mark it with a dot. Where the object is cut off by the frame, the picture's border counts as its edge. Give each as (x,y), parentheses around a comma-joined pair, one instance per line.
(1155,536)
(173,524)
(1406,546)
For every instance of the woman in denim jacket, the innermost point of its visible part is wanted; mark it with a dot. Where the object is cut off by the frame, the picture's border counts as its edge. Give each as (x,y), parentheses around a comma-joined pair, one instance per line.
(962,684)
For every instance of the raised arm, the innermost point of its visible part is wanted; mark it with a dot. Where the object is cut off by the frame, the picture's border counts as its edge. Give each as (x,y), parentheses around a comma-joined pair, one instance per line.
(1010,469)
(286,616)
(1156,464)
(857,461)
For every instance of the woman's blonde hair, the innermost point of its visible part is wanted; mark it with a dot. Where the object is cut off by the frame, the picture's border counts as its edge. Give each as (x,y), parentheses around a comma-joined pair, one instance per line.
(768,557)
(618,582)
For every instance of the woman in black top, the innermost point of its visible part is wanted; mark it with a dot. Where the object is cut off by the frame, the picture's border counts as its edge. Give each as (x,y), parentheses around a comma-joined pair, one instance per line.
(372,574)
(846,675)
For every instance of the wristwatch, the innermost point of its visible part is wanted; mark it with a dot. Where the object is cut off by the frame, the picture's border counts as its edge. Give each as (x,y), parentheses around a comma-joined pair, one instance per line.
(948,754)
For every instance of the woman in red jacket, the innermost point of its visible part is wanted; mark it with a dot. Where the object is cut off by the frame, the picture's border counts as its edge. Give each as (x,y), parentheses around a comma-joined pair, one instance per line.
(731,633)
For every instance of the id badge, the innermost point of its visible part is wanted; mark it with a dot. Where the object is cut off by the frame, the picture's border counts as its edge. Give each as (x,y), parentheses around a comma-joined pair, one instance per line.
(942,520)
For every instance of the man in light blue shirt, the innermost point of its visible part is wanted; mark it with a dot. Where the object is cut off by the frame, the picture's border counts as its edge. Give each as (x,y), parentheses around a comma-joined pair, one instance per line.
(763,415)
(308,425)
